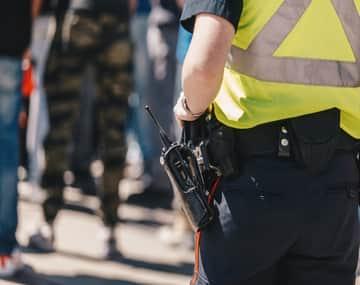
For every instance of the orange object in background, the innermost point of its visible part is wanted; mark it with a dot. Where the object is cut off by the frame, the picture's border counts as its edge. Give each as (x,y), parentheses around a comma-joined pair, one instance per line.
(27,87)
(28,81)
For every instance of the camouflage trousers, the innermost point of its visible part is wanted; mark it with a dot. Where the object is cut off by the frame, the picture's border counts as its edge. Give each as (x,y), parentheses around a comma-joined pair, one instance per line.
(103,41)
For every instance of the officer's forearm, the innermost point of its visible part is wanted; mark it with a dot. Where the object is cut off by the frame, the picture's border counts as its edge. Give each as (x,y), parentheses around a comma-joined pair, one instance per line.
(205,61)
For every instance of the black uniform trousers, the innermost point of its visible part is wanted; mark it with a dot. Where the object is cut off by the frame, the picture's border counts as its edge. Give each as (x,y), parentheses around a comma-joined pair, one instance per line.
(277,224)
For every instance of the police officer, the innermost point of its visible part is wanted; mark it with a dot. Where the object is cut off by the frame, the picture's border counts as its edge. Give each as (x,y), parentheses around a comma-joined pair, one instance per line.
(283,78)
(94,32)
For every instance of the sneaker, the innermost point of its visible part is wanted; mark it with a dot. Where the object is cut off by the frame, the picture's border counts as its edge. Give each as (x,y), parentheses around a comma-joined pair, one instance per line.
(42,240)
(10,264)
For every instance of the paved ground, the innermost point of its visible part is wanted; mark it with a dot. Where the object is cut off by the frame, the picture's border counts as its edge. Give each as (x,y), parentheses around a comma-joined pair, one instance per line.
(146,259)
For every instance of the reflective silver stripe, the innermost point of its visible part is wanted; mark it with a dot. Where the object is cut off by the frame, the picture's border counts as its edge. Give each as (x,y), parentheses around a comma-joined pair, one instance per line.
(258,60)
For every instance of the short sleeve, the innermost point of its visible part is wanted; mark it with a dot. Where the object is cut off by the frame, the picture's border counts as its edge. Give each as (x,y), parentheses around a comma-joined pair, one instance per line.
(230,10)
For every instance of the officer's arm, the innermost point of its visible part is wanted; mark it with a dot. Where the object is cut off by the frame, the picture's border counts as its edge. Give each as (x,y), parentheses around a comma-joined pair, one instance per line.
(204,64)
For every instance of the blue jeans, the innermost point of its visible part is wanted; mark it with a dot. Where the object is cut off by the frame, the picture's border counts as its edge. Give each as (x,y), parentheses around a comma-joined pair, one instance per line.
(10,95)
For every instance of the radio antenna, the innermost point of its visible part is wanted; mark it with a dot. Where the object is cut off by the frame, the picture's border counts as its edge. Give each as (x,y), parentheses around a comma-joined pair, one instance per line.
(164,138)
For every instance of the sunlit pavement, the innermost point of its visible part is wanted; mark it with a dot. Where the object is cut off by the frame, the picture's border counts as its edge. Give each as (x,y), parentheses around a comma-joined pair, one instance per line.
(146,260)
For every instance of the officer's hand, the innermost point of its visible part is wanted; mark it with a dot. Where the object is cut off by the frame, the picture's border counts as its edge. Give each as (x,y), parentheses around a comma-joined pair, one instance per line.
(182,112)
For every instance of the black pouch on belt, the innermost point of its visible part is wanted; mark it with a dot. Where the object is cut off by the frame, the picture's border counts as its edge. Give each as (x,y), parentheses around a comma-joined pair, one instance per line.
(221,147)
(315,138)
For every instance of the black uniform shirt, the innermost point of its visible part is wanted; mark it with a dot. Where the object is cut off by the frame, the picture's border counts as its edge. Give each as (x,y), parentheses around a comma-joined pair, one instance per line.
(227,9)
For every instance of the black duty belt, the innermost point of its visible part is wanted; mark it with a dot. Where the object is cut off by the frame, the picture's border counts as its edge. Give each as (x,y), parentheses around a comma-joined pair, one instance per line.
(266,140)
(311,140)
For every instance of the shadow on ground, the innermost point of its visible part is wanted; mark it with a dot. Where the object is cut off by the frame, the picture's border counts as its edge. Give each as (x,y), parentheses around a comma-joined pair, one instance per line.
(30,277)
(183,268)
(85,209)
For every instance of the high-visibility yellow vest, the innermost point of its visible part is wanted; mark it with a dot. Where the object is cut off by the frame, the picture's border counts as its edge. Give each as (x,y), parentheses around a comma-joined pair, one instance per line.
(290,58)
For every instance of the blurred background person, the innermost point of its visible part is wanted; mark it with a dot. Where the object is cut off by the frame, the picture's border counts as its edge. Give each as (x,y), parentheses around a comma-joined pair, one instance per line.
(162,29)
(139,25)
(48,24)
(93,32)
(84,140)
(179,233)
(15,30)
(51,13)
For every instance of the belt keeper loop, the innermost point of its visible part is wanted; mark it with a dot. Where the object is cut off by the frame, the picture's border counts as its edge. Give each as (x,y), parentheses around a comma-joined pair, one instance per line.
(284,143)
